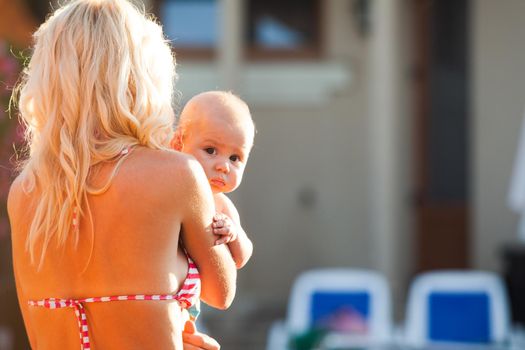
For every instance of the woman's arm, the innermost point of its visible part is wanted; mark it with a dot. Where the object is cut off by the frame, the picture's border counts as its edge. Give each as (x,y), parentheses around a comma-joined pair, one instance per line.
(215,264)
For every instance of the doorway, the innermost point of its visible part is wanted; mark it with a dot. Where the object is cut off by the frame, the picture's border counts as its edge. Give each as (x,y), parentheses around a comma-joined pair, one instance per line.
(441,133)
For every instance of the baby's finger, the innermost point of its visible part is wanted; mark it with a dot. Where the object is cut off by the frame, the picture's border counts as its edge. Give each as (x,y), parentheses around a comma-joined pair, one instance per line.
(218,224)
(222,240)
(221,231)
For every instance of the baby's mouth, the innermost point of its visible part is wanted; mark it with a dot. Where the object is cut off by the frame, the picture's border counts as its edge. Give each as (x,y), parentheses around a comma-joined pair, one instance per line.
(218,182)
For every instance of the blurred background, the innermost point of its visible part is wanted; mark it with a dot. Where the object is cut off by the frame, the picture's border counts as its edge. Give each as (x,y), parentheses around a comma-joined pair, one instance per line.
(387,133)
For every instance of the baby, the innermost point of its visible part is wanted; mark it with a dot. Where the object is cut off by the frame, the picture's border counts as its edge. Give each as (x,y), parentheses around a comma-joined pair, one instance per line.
(217,129)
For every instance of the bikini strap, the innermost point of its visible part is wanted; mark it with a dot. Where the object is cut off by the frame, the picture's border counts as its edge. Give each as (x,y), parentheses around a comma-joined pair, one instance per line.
(80,309)
(121,157)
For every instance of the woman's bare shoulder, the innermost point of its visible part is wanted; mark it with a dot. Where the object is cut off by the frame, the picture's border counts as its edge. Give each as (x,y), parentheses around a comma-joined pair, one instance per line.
(172,172)
(169,164)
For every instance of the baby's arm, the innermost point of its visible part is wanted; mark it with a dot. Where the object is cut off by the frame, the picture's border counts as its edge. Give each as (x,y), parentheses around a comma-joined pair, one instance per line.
(227,223)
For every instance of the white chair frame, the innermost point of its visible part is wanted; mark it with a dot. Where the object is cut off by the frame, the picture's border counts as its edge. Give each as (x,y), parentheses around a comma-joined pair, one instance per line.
(416,330)
(336,280)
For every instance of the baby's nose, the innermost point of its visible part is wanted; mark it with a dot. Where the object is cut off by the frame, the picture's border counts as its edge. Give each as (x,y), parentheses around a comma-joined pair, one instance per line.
(223,166)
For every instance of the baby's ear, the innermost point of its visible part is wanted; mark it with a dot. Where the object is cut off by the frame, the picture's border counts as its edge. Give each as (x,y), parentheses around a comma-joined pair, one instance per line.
(176,141)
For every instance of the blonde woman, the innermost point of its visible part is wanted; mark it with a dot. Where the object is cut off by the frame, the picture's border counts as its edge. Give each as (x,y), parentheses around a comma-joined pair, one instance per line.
(102,209)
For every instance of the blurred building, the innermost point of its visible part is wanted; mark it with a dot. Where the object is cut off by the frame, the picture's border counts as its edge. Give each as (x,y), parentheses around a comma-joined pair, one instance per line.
(386,134)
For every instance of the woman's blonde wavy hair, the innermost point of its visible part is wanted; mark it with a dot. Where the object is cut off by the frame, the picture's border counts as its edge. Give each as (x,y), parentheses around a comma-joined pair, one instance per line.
(100,80)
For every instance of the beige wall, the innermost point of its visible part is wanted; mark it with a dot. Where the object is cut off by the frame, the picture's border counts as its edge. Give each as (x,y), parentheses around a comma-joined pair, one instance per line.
(319,152)
(498,56)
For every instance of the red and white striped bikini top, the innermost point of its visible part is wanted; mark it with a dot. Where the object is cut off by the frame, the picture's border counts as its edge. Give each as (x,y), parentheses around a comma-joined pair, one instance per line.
(187,296)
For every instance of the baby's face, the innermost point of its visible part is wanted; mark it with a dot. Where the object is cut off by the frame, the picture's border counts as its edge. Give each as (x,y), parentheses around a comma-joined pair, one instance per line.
(222,149)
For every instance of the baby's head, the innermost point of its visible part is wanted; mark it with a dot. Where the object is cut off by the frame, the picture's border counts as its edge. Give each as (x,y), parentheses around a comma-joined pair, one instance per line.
(217,129)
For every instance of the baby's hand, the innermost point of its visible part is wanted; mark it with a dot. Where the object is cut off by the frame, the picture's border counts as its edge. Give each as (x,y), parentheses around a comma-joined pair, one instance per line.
(223,226)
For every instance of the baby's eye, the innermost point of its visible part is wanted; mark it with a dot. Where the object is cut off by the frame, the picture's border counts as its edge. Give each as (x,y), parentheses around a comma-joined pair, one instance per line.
(235,158)
(209,150)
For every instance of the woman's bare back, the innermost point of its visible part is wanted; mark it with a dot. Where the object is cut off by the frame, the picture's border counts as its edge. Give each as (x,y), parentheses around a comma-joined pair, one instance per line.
(133,249)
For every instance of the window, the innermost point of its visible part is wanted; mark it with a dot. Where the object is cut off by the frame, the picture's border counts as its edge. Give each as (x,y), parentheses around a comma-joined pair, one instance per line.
(281,29)
(273,29)
(191,25)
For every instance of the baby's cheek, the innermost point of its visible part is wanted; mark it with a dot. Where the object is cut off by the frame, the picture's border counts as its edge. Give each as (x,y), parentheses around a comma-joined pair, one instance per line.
(238,179)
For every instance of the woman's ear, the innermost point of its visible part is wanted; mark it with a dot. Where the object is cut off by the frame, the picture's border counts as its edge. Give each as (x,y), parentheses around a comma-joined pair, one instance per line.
(176,141)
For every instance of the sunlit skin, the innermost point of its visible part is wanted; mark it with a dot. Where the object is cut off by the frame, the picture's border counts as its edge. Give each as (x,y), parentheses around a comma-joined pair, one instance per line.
(216,128)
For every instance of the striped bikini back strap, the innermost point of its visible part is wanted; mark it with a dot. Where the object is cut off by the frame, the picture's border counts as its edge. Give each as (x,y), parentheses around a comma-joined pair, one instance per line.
(80,312)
